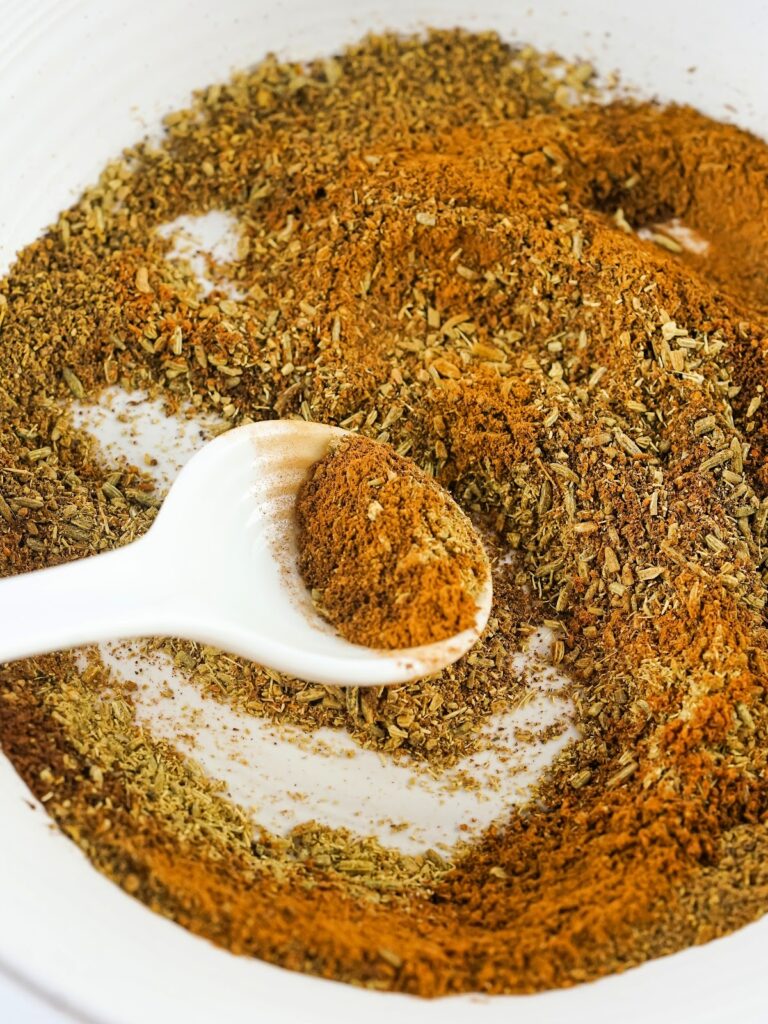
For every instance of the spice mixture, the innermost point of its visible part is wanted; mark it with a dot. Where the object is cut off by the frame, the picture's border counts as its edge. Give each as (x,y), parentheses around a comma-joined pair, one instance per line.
(558,308)
(391,560)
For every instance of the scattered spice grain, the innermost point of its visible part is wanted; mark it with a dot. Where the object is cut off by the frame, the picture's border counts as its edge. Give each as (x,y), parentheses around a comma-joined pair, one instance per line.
(446,245)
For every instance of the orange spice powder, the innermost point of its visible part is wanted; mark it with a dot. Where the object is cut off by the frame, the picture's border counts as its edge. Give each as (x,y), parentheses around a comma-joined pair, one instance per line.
(450,249)
(390,558)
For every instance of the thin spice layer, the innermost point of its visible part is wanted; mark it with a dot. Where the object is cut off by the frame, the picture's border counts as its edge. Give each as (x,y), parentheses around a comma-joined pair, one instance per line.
(447,246)
(390,559)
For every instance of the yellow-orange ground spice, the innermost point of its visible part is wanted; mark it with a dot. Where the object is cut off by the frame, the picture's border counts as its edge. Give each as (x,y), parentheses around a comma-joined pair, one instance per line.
(390,558)
(449,247)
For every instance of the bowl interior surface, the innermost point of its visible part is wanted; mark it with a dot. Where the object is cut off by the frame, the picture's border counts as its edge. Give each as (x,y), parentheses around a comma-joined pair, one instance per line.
(80,81)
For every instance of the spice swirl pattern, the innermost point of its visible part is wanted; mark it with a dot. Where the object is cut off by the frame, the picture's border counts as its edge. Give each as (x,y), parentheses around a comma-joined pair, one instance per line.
(448,245)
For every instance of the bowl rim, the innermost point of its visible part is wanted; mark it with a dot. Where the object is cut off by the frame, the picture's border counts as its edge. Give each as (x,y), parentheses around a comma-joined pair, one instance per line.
(66,931)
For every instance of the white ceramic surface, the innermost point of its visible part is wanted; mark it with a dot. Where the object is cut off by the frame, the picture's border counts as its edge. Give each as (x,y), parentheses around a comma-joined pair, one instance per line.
(22,1005)
(78,80)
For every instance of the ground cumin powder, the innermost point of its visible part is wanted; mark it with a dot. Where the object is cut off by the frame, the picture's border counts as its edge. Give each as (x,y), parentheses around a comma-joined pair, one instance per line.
(391,560)
(448,246)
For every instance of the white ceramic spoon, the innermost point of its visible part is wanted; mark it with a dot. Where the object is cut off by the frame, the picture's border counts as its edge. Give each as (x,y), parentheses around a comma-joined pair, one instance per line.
(218,566)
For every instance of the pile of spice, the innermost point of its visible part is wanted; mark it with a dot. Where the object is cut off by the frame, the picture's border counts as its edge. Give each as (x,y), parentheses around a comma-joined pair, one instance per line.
(390,559)
(559,309)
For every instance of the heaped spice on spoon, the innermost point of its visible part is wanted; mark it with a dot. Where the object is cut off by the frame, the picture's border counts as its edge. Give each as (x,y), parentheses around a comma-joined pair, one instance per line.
(556,307)
(390,559)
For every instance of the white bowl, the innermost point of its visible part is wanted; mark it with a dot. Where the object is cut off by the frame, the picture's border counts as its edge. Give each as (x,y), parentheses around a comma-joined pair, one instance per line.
(80,80)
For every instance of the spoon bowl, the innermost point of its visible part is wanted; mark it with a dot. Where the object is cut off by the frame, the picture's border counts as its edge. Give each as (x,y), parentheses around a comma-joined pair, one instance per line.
(218,566)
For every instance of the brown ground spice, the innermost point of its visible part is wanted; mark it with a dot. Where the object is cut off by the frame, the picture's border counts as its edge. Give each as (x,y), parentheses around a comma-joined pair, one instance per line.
(391,560)
(448,247)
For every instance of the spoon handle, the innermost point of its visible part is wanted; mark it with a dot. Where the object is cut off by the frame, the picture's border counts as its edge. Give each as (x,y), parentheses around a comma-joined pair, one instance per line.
(108,596)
